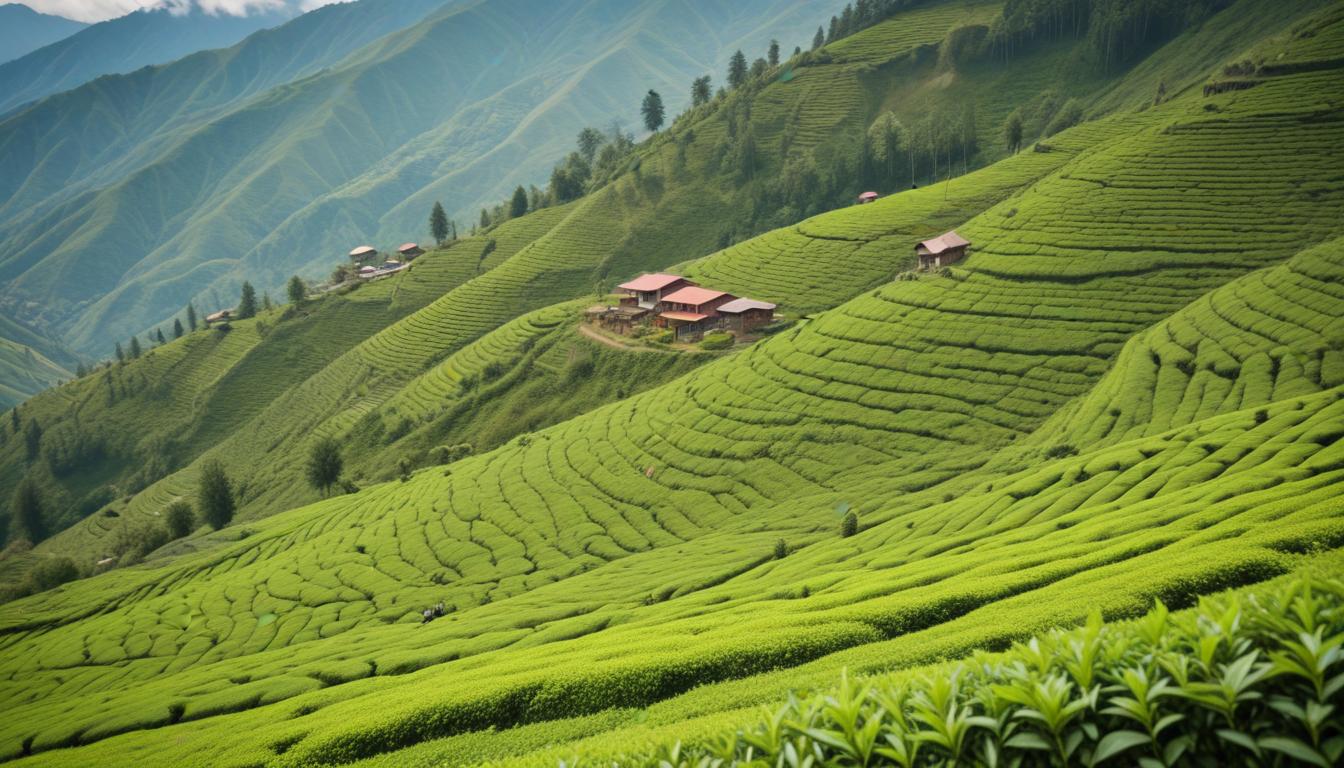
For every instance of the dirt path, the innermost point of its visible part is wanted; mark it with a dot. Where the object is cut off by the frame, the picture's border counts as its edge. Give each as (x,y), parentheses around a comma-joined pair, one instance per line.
(600,338)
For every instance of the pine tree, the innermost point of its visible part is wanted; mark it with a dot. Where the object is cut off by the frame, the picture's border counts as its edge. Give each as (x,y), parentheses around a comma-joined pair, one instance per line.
(26,510)
(700,91)
(121,355)
(158,337)
(324,464)
(247,302)
(485,219)
(178,330)
(438,223)
(518,206)
(191,316)
(296,290)
(135,347)
(737,70)
(32,438)
(849,525)
(819,39)
(773,55)
(215,496)
(652,110)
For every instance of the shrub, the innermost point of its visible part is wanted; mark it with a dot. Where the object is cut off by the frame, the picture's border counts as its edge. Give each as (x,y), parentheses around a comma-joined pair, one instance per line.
(717,340)
(447,454)
(849,525)
(51,573)
(1061,451)
(663,337)
(180,519)
(781,549)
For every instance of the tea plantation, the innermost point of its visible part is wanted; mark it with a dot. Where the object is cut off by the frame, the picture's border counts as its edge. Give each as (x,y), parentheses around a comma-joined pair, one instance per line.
(1131,391)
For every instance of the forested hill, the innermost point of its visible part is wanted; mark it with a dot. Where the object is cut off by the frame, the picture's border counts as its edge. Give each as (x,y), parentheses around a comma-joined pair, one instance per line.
(118,207)
(1131,389)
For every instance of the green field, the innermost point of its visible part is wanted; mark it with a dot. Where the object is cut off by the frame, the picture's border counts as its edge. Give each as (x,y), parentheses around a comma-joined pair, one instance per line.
(1132,390)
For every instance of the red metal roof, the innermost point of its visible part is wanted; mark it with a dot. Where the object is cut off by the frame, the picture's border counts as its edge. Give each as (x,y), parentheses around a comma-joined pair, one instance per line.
(693,295)
(943,242)
(363,250)
(742,305)
(868,196)
(690,317)
(408,247)
(654,282)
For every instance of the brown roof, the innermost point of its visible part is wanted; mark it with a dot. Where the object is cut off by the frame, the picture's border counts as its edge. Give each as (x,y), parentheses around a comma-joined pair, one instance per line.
(944,242)
(408,247)
(363,250)
(693,295)
(742,305)
(653,282)
(690,317)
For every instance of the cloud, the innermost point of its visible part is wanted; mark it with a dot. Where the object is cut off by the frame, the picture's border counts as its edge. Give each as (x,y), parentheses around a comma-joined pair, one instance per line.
(101,10)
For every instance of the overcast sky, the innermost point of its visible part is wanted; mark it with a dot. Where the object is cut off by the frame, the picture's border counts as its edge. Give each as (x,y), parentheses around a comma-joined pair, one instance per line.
(100,10)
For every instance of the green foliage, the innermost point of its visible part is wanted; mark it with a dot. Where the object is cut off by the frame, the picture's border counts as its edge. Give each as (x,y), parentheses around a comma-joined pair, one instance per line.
(247,302)
(438,223)
(215,496)
(25,510)
(717,340)
(651,110)
(180,519)
(849,524)
(324,464)
(296,290)
(737,70)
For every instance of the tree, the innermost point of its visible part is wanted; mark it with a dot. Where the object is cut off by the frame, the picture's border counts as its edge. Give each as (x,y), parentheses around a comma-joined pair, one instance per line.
(121,355)
(324,464)
(14,419)
(247,302)
(819,39)
(652,111)
(296,290)
(215,495)
(1012,131)
(781,549)
(158,337)
(518,206)
(438,223)
(485,219)
(180,518)
(849,525)
(266,303)
(737,70)
(759,67)
(25,509)
(452,230)
(32,438)
(590,140)
(700,91)
(191,316)
(178,330)
(135,347)
(773,55)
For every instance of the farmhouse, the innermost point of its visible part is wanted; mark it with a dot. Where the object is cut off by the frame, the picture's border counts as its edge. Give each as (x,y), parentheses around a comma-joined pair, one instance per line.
(363,253)
(222,316)
(647,291)
(409,251)
(868,197)
(746,315)
(691,310)
(940,251)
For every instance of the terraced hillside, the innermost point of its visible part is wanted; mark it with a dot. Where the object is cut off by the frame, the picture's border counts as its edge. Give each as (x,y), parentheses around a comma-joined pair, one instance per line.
(648,569)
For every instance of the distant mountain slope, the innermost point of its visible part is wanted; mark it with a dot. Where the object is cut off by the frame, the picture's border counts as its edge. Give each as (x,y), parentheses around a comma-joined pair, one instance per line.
(287,179)
(23,30)
(123,44)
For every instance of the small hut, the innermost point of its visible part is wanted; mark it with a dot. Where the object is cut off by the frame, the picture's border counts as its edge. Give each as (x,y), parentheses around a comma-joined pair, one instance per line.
(409,251)
(868,197)
(746,315)
(222,316)
(940,251)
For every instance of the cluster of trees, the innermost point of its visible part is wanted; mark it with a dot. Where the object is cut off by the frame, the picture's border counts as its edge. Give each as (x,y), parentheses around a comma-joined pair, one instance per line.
(855,17)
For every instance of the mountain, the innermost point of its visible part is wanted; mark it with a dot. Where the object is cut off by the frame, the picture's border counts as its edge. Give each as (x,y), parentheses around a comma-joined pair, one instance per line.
(23,30)
(1130,391)
(124,44)
(394,121)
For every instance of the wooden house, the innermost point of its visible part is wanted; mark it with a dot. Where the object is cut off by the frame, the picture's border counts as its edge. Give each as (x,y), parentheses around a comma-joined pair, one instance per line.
(868,197)
(363,253)
(621,319)
(940,251)
(222,316)
(409,251)
(691,310)
(646,291)
(746,315)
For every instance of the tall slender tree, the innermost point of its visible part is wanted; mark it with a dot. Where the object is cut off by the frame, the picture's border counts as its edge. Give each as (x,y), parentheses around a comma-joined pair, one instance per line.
(737,70)
(518,206)
(135,347)
(191,316)
(121,354)
(215,495)
(296,290)
(438,223)
(819,39)
(700,91)
(1012,131)
(26,511)
(247,302)
(652,110)
(178,330)
(773,55)
(158,337)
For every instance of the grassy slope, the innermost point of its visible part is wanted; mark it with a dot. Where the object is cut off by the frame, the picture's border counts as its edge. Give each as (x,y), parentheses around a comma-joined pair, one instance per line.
(913,404)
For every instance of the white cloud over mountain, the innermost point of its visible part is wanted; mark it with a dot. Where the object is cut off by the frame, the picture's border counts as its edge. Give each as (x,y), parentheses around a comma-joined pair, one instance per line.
(100,10)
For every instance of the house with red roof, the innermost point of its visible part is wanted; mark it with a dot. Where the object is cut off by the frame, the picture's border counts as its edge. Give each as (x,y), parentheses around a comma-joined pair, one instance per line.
(409,251)
(691,310)
(940,251)
(647,291)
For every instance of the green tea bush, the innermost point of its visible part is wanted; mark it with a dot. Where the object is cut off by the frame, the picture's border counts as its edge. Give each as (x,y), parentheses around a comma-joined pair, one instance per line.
(717,340)
(1243,680)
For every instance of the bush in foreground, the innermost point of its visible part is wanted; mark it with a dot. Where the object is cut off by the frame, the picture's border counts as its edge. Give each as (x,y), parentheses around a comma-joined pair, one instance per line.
(1246,679)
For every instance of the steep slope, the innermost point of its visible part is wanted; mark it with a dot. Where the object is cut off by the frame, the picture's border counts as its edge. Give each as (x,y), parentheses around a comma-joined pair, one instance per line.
(614,562)
(139,39)
(23,30)
(204,207)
